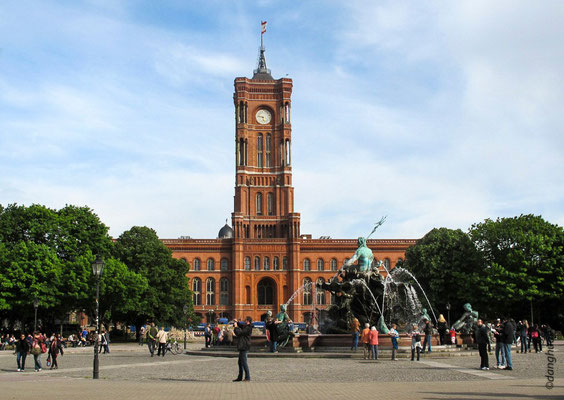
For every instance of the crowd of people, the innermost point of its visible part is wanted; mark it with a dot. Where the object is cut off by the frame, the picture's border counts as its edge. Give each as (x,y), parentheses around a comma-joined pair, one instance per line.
(39,343)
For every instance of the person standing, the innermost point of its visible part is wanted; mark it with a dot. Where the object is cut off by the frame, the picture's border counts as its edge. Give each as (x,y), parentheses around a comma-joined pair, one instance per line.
(536,336)
(36,350)
(106,335)
(243,332)
(22,348)
(162,337)
(546,333)
(373,343)
(395,336)
(366,341)
(508,331)
(523,329)
(55,347)
(415,342)
(141,335)
(443,329)
(355,327)
(208,335)
(152,337)
(428,330)
(272,328)
(482,339)
(499,345)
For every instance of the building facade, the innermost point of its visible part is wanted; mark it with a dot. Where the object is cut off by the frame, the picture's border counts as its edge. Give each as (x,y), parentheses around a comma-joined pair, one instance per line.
(264,259)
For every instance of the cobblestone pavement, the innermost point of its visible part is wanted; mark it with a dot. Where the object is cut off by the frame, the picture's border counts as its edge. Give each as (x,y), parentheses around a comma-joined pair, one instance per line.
(129,372)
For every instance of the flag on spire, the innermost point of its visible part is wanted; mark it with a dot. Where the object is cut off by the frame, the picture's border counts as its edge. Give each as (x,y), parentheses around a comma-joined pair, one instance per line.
(262,27)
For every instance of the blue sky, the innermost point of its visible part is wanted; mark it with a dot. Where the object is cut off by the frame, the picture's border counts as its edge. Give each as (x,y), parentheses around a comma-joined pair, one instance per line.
(438,113)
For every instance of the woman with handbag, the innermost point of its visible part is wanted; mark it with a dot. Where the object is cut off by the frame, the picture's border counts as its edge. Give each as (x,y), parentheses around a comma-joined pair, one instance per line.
(36,350)
(54,349)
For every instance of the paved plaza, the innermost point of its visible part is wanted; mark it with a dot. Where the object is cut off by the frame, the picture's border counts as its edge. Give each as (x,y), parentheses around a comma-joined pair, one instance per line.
(129,372)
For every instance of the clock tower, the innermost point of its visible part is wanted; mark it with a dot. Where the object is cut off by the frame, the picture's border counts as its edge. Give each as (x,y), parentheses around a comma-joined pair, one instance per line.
(264,195)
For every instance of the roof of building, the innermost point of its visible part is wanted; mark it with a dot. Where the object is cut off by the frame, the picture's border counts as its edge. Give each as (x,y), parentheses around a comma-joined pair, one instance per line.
(226,232)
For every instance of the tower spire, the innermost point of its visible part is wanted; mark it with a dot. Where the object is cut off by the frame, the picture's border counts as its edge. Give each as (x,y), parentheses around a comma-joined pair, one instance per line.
(262,72)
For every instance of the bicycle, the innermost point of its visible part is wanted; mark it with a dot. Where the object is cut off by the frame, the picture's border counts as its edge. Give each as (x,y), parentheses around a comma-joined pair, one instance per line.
(173,347)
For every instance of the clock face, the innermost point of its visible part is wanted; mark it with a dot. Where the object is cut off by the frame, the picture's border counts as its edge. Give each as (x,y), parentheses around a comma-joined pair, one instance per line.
(263,116)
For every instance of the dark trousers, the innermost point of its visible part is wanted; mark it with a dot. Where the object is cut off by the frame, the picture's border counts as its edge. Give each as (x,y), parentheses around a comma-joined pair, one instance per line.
(208,340)
(483,350)
(162,348)
(243,366)
(442,338)
(537,342)
(21,360)
(54,361)
(413,353)
(151,344)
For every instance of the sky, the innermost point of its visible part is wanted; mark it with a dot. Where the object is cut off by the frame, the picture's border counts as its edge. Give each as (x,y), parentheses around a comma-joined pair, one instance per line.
(434,114)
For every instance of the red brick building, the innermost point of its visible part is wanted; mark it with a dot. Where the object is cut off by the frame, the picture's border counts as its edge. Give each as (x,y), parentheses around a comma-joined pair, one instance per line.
(260,262)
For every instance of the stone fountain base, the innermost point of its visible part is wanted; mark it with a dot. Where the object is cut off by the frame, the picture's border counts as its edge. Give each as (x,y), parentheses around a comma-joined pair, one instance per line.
(321,342)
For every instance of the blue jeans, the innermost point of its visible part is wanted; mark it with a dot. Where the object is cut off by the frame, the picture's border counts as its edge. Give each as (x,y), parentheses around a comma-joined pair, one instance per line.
(499,350)
(507,348)
(243,366)
(524,346)
(37,359)
(21,360)
(374,351)
(273,345)
(355,341)
(425,341)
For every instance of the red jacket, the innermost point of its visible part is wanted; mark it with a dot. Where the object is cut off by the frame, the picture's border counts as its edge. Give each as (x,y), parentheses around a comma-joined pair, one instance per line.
(373,337)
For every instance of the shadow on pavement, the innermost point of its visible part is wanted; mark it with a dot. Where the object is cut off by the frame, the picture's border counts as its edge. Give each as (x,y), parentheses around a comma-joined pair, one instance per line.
(482,395)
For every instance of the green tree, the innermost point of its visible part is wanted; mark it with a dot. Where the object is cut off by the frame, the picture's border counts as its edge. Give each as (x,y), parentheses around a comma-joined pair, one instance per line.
(168,290)
(448,266)
(524,258)
(47,254)
(28,271)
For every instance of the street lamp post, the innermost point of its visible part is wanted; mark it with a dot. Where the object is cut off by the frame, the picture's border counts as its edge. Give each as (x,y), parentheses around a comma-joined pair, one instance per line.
(35,305)
(185,309)
(97,270)
(448,311)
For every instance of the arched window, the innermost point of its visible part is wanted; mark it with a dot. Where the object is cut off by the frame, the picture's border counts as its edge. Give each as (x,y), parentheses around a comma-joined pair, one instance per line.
(285,263)
(268,148)
(210,291)
(387,263)
(307,292)
(223,292)
(197,291)
(259,203)
(211,264)
(320,264)
(197,264)
(266,263)
(320,292)
(275,264)
(333,264)
(265,291)
(307,265)
(224,264)
(247,263)
(257,263)
(270,204)
(259,150)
